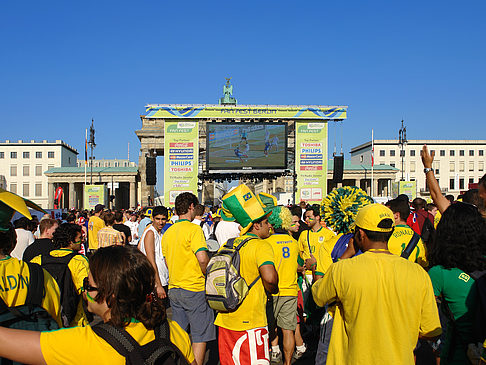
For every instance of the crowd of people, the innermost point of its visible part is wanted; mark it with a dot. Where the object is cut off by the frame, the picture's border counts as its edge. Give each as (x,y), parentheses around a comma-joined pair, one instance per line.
(374,284)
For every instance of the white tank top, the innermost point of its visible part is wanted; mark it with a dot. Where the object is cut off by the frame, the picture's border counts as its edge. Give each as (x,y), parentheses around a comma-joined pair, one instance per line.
(159,258)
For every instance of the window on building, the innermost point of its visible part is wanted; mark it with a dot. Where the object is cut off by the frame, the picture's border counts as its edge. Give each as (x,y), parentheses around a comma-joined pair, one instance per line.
(26,170)
(412,166)
(481,166)
(38,170)
(382,153)
(392,164)
(361,158)
(50,167)
(38,154)
(461,166)
(481,153)
(412,153)
(13,170)
(25,190)
(436,167)
(471,152)
(26,154)
(38,189)
(461,152)
(50,154)
(2,154)
(471,180)
(451,184)
(392,153)
(116,164)
(452,167)
(126,164)
(13,154)
(471,166)
(382,163)
(452,153)
(461,184)
(442,153)
(13,188)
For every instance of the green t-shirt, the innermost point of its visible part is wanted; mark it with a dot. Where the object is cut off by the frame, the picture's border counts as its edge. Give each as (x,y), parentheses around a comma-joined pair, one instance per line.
(459,292)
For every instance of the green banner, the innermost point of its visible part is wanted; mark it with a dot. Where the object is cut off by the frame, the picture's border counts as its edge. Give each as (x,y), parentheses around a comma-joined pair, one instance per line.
(409,188)
(94,194)
(181,156)
(311,161)
(246,111)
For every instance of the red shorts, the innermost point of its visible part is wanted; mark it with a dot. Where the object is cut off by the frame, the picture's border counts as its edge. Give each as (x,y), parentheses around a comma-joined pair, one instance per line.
(300,307)
(243,347)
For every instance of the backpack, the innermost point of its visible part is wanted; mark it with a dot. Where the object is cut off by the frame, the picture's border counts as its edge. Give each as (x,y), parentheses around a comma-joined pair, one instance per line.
(157,352)
(411,246)
(29,316)
(479,326)
(225,287)
(59,270)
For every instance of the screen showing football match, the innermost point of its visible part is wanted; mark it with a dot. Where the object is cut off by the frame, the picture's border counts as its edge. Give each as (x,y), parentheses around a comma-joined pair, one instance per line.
(246,146)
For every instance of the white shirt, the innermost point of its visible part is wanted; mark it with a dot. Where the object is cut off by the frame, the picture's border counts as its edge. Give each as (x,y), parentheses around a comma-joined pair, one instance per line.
(226,230)
(205,227)
(24,239)
(159,258)
(134,231)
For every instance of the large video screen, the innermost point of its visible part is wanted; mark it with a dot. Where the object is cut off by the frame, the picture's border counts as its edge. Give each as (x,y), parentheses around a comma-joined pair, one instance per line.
(246,146)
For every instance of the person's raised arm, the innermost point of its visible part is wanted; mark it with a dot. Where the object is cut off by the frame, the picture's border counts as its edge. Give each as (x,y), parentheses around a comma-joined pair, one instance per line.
(21,346)
(439,200)
(149,244)
(269,278)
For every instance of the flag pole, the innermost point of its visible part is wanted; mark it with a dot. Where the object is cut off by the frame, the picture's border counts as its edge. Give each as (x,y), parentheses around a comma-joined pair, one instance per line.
(372,162)
(85,158)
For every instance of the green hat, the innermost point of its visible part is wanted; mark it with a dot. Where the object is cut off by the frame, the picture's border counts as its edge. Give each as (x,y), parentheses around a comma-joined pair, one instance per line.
(11,203)
(268,201)
(242,206)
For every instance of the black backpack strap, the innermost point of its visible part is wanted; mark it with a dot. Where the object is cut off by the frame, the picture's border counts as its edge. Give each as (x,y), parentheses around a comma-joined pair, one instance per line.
(49,259)
(242,243)
(35,293)
(162,347)
(229,243)
(411,246)
(121,341)
(308,242)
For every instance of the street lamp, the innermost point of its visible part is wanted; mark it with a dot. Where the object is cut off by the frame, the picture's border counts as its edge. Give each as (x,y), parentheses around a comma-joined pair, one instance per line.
(402,141)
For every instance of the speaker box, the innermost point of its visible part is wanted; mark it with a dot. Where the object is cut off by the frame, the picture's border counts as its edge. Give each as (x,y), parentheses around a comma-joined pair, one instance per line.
(337,175)
(150,171)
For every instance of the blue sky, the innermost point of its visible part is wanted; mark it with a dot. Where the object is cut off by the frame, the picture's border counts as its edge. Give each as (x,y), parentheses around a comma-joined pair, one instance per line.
(65,62)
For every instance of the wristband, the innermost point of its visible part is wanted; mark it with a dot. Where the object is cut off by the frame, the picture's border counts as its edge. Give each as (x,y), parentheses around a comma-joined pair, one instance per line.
(428,169)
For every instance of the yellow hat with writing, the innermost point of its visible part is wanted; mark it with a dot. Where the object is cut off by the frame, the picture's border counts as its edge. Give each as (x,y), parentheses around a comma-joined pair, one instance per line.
(375,217)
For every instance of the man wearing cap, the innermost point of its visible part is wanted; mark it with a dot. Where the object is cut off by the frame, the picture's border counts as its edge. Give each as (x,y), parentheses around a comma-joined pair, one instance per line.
(185,251)
(384,303)
(243,334)
(94,225)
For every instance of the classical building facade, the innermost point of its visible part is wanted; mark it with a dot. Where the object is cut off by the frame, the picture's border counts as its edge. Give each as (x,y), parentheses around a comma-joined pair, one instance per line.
(23,164)
(457,163)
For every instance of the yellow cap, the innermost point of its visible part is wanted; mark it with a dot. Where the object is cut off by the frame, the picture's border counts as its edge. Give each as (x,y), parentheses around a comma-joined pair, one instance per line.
(370,216)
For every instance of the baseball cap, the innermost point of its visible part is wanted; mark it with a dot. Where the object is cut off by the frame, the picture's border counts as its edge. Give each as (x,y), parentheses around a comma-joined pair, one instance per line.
(99,208)
(370,216)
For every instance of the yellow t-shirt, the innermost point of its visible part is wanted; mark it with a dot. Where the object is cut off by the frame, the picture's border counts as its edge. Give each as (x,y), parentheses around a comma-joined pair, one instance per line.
(81,345)
(384,304)
(15,277)
(323,256)
(94,225)
(251,313)
(180,243)
(399,240)
(437,218)
(310,242)
(79,268)
(286,252)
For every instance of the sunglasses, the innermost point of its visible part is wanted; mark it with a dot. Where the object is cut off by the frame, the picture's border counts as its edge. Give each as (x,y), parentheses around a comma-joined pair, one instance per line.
(88,287)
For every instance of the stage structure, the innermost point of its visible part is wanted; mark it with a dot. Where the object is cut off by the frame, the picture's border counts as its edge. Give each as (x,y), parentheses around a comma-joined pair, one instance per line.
(203,144)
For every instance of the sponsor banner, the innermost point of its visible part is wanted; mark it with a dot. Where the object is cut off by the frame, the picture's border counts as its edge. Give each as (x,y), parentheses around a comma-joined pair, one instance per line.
(181,146)
(311,161)
(408,188)
(244,112)
(94,194)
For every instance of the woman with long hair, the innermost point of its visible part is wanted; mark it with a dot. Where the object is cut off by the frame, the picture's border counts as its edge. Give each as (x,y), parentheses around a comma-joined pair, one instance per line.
(458,250)
(119,289)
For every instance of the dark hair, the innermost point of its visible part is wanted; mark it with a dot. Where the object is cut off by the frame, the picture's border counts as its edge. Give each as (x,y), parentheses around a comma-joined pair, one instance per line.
(296,210)
(460,240)
(22,222)
(126,281)
(8,240)
(199,209)
(377,236)
(160,210)
(450,197)
(46,223)
(109,218)
(118,216)
(431,206)
(419,203)
(403,197)
(70,218)
(399,206)
(65,234)
(315,209)
(482,181)
(183,202)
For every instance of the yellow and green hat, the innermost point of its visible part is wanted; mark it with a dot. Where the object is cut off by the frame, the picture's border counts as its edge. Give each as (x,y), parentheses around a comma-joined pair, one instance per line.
(242,206)
(370,217)
(11,203)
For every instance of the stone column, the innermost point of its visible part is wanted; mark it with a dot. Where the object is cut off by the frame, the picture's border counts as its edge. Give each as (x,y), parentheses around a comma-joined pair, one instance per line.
(133,195)
(71,196)
(50,194)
